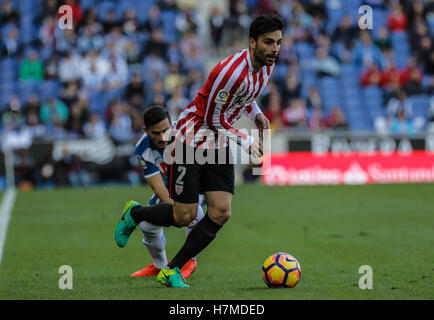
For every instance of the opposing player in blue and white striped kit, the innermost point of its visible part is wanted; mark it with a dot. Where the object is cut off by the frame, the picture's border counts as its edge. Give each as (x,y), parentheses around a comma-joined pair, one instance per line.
(149,151)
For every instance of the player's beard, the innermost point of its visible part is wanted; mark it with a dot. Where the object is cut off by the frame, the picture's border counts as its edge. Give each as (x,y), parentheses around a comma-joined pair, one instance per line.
(261,57)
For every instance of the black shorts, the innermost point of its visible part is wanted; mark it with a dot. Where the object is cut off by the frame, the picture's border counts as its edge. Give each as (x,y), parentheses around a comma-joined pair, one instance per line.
(188,179)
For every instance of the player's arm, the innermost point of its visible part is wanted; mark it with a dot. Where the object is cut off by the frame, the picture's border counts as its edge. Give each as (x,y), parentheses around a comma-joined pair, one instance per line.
(254,113)
(153,177)
(157,184)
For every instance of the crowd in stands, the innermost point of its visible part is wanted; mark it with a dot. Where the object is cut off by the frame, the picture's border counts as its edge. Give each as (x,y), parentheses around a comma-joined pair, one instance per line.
(122,56)
(96,79)
(333,74)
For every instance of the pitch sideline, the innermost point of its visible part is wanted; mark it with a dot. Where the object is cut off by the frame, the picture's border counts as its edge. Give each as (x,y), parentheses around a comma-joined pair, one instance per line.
(5,213)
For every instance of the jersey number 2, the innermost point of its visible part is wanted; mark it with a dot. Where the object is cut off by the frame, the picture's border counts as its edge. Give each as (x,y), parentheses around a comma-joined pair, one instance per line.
(183,170)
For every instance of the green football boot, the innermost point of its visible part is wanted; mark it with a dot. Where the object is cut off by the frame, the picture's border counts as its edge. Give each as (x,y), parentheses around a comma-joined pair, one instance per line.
(126,225)
(171,278)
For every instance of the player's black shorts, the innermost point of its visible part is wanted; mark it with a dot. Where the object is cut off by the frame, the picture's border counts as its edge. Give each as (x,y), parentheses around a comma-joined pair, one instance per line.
(189,178)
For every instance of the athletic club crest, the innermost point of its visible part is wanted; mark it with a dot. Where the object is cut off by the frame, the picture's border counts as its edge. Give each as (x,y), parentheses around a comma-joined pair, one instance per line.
(178,188)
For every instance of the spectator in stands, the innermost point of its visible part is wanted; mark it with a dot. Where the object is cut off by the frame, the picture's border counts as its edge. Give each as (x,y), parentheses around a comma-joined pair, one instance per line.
(3,49)
(401,124)
(89,39)
(69,68)
(32,105)
(155,67)
(130,25)
(291,88)
(69,94)
(383,40)
(54,111)
(173,79)
(295,115)
(116,77)
(193,82)
(274,112)
(135,90)
(110,20)
(314,99)
(401,102)
(216,23)
(177,102)
(33,125)
(78,116)
(47,31)
(8,13)
(397,19)
(185,20)
(371,76)
(32,68)
(154,20)
(51,67)
(317,8)
(50,8)
(324,64)
(366,51)
(418,30)
(416,11)
(287,54)
(390,75)
(411,71)
(191,46)
(336,119)
(94,68)
(424,51)
(414,84)
(12,42)
(13,118)
(316,119)
(115,43)
(120,127)
(66,40)
(94,128)
(346,32)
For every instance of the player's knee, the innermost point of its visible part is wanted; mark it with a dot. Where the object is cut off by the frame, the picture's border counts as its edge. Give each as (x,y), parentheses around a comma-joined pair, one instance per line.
(185,216)
(219,214)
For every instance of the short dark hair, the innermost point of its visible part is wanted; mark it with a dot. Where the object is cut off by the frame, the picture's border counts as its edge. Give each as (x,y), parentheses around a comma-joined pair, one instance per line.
(154,115)
(264,24)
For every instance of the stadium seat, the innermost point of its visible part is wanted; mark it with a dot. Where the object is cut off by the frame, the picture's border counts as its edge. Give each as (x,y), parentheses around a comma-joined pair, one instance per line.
(421,105)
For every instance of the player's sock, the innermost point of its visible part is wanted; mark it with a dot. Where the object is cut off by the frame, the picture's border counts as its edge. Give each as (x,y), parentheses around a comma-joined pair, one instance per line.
(199,217)
(159,214)
(154,240)
(198,239)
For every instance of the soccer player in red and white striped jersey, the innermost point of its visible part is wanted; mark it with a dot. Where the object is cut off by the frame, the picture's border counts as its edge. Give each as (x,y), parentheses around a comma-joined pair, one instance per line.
(229,92)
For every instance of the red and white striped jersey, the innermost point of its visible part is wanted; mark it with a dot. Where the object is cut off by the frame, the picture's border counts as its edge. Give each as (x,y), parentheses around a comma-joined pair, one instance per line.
(228,93)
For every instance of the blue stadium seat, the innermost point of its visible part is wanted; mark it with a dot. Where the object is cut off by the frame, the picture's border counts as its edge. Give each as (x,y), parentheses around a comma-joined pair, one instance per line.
(421,105)
(49,88)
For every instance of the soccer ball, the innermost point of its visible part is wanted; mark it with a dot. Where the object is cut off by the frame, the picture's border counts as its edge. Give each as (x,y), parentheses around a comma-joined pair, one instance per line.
(281,270)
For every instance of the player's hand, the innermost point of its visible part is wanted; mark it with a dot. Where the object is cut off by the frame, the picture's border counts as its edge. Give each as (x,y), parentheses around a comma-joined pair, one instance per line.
(255,149)
(262,123)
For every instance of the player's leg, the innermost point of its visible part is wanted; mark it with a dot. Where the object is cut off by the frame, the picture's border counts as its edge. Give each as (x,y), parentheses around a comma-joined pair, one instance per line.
(191,264)
(155,242)
(217,180)
(163,214)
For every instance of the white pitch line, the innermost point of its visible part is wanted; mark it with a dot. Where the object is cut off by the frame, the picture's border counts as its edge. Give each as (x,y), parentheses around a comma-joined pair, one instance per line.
(5,213)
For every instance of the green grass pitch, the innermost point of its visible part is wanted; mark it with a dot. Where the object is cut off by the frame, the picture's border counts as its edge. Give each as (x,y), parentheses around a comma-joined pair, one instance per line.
(331,230)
